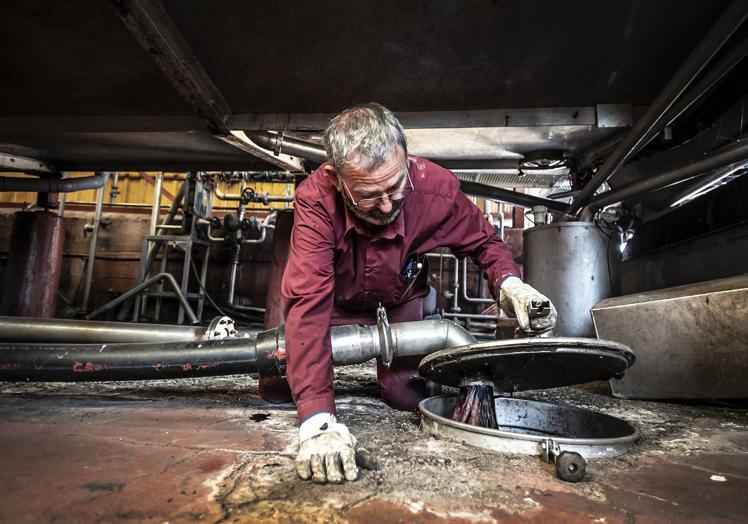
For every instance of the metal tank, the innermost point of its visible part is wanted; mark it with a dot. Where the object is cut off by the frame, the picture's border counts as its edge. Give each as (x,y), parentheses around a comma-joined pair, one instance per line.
(34,264)
(575,264)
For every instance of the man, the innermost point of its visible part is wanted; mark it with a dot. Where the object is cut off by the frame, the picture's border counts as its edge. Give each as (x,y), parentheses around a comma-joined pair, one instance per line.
(362,223)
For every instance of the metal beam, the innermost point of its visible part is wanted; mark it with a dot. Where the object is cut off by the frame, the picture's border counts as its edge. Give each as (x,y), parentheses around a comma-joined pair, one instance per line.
(155,31)
(23,164)
(517,117)
(653,119)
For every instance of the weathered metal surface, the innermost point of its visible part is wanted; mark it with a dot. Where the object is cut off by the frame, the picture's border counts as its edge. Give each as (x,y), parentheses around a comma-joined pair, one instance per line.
(524,425)
(690,341)
(209,450)
(34,263)
(530,363)
(575,264)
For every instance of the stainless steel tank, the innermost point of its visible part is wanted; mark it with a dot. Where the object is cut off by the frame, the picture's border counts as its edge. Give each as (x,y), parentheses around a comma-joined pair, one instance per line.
(575,264)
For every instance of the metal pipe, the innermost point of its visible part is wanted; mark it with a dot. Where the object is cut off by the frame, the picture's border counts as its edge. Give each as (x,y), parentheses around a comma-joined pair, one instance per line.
(721,31)
(735,152)
(52,185)
(716,73)
(456,277)
(140,287)
(73,331)
(227,196)
(63,197)
(232,276)
(464,289)
(156,202)
(510,197)
(114,190)
(278,143)
(92,245)
(427,336)
(352,344)
(264,226)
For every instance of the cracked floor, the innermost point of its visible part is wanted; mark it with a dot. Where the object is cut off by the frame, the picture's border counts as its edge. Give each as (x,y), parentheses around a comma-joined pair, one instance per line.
(210,450)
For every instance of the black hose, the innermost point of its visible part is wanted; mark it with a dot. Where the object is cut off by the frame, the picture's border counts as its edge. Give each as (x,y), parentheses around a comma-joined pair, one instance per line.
(149,361)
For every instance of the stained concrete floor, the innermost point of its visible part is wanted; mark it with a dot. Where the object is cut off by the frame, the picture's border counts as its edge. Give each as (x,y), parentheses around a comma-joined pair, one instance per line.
(209,450)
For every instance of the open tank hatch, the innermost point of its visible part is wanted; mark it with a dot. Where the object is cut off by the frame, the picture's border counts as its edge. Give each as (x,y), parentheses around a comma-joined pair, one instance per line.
(565,435)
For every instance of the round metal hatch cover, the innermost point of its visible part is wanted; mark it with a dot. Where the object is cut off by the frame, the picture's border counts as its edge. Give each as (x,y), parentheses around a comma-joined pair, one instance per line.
(528,363)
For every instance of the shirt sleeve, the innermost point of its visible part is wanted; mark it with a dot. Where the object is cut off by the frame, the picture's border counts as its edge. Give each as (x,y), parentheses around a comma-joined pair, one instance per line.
(307,289)
(467,233)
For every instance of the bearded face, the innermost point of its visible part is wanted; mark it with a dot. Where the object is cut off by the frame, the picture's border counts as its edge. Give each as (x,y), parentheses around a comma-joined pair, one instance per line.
(374,215)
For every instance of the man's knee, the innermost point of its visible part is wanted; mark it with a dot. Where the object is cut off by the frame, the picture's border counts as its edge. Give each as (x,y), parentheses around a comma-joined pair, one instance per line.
(400,386)
(274,389)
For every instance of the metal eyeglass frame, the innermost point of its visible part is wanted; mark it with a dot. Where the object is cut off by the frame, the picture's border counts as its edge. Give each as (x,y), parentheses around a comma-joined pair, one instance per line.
(375,200)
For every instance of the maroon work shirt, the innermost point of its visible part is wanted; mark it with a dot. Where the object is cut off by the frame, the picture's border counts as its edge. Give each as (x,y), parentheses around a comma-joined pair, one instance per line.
(339,269)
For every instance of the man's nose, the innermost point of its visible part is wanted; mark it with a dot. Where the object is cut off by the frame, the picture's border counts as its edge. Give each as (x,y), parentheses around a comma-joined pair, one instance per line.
(385,205)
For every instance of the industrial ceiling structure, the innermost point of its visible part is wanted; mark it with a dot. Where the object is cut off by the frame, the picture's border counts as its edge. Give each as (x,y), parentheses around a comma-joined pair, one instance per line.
(143,84)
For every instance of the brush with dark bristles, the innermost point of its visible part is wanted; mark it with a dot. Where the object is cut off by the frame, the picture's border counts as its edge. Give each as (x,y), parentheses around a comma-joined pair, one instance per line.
(475,405)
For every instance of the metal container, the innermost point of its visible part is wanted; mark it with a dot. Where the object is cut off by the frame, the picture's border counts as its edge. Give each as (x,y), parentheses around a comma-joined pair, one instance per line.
(690,342)
(34,264)
(525,426)
(575,264)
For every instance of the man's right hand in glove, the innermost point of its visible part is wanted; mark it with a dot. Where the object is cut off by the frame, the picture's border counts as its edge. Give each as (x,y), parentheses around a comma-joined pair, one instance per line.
(516,297)
(328,452)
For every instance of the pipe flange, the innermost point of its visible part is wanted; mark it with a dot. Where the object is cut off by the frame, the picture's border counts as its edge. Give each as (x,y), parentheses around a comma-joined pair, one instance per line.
(386,344)
(221,327)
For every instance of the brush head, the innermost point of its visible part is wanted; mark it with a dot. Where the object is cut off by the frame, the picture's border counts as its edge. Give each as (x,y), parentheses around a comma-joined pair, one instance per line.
(475,405)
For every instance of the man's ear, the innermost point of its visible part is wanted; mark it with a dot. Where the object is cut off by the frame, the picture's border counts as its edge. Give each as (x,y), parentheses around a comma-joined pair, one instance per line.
(330,172)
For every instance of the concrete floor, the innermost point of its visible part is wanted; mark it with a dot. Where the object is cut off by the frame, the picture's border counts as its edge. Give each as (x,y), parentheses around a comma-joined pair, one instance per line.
(209,450)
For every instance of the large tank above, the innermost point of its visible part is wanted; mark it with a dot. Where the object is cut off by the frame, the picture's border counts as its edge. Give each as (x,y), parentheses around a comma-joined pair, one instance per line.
(575,264)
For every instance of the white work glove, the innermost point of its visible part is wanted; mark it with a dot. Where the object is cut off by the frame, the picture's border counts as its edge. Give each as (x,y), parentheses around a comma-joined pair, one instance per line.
(328,452)
(517,297)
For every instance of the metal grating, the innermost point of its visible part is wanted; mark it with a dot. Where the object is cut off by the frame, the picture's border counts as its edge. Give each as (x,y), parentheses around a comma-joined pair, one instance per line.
(508,178)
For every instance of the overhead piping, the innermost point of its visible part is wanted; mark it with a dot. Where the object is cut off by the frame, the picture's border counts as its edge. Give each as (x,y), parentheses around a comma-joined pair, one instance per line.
(730,154)
(650,122)
(510,197)
(278,143)
(53,185)
(292,146)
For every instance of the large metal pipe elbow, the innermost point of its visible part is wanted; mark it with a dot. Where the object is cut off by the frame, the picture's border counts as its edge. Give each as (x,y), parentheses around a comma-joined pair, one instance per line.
(424,337)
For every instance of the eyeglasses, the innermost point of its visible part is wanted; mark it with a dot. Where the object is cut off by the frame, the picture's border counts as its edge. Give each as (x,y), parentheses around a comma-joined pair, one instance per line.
(368,203)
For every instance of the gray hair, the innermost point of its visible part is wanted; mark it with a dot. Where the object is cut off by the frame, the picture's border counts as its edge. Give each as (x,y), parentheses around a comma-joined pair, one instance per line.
(365,135)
